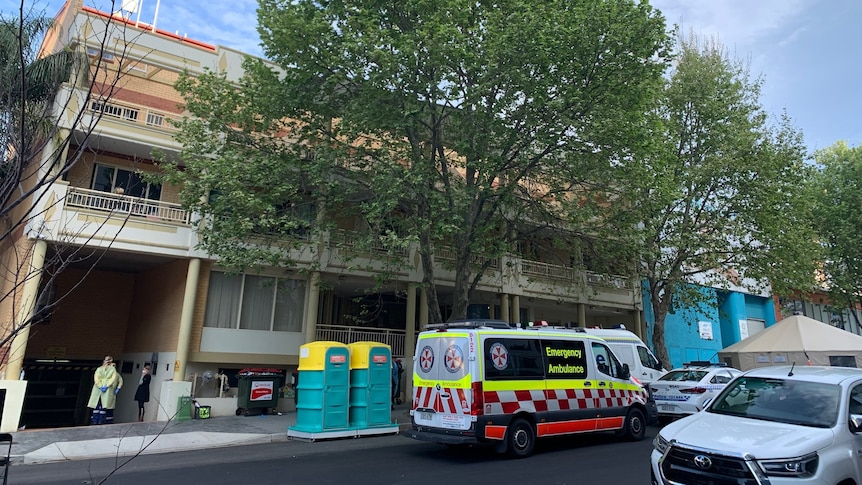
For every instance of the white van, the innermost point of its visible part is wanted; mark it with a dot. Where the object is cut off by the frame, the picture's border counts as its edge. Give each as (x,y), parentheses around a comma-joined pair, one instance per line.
(631,350)
(485,382)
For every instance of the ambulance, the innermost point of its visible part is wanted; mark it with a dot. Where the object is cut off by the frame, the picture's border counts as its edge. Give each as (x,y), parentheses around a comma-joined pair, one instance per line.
(631,350)
(484,382)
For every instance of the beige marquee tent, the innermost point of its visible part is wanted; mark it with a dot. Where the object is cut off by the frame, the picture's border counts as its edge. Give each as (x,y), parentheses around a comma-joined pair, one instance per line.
(788,342)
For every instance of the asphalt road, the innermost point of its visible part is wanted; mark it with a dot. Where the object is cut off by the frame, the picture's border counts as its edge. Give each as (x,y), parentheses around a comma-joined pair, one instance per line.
(584,460)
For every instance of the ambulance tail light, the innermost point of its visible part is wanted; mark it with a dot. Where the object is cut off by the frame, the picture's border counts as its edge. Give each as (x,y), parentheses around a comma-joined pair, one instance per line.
(693,390)
(476,408)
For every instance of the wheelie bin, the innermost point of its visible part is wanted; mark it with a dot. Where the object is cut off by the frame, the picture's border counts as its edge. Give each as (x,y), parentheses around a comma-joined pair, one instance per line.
(257,390)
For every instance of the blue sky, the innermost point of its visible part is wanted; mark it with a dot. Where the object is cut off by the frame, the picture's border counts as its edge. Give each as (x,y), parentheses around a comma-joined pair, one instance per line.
(805,50)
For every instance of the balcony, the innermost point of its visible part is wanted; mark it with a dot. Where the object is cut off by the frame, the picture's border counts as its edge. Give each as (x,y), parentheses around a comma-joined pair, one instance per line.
(101,219)
(124,205)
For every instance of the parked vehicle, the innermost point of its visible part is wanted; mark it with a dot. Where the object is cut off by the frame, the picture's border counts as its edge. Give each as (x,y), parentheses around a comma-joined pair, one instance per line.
(686,390)
(631,350)
(483,382)
(783,425)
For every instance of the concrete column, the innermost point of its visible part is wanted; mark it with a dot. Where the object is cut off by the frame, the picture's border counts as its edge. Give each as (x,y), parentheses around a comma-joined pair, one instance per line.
(186,318)
(516,309)
(423,310)
(639,326)
(582,315)
(311,307)
(409,342)
(29,295)
(504,308)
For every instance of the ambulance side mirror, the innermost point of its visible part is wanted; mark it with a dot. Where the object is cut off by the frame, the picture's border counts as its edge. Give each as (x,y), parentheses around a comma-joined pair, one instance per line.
(626,373)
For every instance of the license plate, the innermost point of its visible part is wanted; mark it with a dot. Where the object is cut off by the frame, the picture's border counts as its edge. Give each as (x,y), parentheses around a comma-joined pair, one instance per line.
(425,415)
(666,407)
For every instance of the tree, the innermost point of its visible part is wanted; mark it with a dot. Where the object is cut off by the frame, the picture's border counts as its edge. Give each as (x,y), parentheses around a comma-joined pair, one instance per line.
(467,124)
(718,194)
(838,221)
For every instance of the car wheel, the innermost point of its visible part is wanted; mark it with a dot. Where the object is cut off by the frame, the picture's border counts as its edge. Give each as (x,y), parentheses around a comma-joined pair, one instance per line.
(521,438)
(635,425)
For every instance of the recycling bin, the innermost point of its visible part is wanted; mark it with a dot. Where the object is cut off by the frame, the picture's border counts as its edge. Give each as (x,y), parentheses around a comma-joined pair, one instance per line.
(184,408)
(370,384)
(257,390)
(322,390)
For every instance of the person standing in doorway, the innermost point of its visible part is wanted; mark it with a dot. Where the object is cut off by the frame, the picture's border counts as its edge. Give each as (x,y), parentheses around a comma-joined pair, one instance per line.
(142,394)
(103,397)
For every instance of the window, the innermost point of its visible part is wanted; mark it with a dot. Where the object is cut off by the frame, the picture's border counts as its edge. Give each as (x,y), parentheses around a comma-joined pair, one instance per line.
(523,359)
(842,361)
(108,179)
(106,56)
(606,362)
(251,302)
(647,359)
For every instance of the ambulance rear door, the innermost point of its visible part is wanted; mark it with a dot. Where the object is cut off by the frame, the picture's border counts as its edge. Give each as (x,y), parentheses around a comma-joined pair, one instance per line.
(442,380)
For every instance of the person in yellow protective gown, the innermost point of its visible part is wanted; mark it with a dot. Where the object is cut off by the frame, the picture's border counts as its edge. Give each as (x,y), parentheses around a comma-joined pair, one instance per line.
(103,397)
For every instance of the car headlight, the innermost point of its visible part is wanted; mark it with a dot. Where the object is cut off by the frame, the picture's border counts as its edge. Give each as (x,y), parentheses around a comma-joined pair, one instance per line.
(660,444)
(802,467)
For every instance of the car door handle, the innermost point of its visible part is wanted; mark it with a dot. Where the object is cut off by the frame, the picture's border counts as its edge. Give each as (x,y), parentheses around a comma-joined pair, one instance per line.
(602,384)
(588,384)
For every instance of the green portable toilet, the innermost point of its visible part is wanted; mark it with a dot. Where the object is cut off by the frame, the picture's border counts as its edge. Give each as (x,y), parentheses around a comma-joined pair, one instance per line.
(322,390)
(370,384)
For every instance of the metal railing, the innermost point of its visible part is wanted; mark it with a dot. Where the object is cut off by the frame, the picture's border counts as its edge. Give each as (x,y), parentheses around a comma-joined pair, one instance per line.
(447,253)
(547,270)
(351,239)
(348,335)
(125,204)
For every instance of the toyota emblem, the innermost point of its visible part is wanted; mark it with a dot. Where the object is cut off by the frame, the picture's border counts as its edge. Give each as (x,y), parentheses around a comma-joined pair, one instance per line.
(703,462)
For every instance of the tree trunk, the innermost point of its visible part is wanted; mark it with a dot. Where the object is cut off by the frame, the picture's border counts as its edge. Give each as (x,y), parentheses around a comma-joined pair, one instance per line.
(434,315)
(660,302)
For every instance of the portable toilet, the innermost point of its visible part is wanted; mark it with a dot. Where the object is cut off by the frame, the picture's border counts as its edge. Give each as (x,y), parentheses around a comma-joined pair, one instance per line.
(370,384)
(322,390)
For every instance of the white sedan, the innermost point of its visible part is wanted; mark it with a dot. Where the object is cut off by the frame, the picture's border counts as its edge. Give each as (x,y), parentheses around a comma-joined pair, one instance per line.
(686,390)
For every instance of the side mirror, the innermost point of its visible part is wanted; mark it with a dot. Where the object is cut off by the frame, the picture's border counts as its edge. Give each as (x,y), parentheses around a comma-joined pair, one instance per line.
(626,372)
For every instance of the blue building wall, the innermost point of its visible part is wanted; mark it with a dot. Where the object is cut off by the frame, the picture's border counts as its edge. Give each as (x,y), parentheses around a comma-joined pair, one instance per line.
(723,310)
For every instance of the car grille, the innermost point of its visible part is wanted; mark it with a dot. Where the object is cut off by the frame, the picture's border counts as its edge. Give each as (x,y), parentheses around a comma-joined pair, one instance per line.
(679,467)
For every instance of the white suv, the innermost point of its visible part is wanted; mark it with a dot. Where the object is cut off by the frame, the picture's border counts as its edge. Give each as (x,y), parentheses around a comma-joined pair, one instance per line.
(774,425)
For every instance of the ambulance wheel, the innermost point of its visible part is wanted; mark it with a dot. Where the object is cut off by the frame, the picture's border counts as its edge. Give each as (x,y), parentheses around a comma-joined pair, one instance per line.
(521,438)
(635,425)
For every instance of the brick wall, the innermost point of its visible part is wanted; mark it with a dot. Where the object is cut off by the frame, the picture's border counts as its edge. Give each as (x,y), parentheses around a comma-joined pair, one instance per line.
(157,309)
(91,321)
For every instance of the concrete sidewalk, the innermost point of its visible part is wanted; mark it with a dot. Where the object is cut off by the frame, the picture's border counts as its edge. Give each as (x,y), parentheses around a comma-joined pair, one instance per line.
(127,439)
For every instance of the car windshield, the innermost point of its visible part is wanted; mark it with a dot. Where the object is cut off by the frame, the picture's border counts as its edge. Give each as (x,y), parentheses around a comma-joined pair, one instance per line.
(683,375)
(787,401)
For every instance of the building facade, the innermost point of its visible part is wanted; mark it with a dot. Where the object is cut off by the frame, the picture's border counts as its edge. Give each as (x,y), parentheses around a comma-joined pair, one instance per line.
(135,285)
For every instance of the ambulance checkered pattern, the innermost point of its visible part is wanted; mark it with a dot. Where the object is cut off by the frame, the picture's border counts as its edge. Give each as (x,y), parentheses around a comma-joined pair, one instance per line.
(508,402)
(445,400)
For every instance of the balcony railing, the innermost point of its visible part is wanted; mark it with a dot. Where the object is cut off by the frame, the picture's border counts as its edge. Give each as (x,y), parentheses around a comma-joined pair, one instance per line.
(547,270)
(447,253)
(134,114)
(126,205)
(612,281)
(351,239)
(348,335)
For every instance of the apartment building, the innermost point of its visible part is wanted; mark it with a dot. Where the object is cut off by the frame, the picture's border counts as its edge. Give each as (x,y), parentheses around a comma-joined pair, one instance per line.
(137,287)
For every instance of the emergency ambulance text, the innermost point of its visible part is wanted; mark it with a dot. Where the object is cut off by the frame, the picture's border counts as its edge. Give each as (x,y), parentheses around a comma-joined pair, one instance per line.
(564,353)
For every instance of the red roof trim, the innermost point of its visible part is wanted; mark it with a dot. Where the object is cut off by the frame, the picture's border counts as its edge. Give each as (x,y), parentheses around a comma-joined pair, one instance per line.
(149,28)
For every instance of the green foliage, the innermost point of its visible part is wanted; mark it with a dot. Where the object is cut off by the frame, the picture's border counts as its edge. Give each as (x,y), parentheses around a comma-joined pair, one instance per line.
(837,190)
(718,194)
(469,120)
